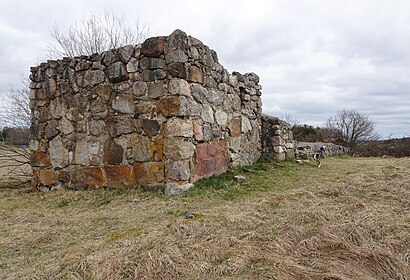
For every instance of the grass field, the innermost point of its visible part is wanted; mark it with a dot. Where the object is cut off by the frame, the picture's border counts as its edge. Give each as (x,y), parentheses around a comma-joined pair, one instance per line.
(350,219)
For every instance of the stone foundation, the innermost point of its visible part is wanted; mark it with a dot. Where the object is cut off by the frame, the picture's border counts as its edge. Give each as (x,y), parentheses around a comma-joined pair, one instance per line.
(277,138)
(161,113)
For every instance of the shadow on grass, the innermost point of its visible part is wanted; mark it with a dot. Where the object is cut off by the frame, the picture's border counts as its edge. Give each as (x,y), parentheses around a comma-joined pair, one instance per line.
(243,181)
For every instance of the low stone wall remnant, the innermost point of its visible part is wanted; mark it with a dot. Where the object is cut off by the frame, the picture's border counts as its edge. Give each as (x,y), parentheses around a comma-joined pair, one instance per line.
(163,113)
(277,138)
(305,150)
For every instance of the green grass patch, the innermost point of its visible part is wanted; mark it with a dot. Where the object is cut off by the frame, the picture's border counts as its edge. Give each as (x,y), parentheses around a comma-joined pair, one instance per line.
(262,176)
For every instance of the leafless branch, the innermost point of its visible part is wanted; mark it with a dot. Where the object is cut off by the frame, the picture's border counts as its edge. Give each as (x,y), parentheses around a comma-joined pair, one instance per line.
(95,35)
(353,126)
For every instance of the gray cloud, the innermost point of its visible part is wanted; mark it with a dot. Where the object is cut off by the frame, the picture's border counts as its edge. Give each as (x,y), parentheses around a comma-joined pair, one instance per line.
(313,57)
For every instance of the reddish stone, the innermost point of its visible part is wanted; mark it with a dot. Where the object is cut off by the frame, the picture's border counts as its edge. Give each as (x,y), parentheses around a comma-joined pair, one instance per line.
(211,158)
(39,159)
(195,75)
(156,149)
(221,163)
(35,180)
(63,177)
(156,173)
(201,151)
(88,177)
(169,106)
(140,173)
(198,130)
(48,177)
(217,148)
(118,176)
(235,126)
(113,152)
(153,47)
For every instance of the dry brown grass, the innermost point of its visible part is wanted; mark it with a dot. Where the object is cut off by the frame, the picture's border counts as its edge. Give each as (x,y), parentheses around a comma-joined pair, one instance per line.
(347,220)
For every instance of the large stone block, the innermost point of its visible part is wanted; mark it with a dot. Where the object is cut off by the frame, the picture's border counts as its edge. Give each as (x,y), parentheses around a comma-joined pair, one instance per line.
(140,173)
(58,153)
(119,125)
(178,170)
(123,103)
(157,90)
(179,87)
(132,65)
(199,92)
(117,72)
(140,146)
(81,152)
(153,47)
(51,130)
(207,114)
(178,148)
(152,63)
(215,97)
(176,56)
(278,141)
(118,176)
(235,126)
(195,75)
(139,89)
(126,52)
(57,108)
(151,127)
(221,117)
(211,158)
(88,178)
(169,106)
(177,70)
(156,149)
(179,127)
(39,159)
(246,125)
(198,130)
(178,40)
(156,173)
(48,177)
(113,152)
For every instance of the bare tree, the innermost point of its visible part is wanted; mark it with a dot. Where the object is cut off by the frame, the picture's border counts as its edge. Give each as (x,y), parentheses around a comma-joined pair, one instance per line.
(15,119)
(95,35)
(17,109)
(352,126)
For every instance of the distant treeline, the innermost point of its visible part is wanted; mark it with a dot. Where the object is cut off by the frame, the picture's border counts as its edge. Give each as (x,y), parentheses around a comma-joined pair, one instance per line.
(373,148)
(391,147)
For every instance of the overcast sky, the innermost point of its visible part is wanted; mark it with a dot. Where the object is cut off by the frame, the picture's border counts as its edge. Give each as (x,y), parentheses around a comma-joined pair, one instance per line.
(314,58)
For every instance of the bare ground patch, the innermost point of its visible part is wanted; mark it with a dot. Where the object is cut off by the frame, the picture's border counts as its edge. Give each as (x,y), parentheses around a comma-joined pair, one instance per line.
(347,220)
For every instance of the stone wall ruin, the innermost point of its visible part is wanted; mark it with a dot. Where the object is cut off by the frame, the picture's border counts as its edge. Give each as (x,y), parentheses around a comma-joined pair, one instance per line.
(277,138)
(164,113)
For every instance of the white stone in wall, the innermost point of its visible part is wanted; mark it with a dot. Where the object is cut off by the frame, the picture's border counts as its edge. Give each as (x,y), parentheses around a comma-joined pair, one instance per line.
(81,153)
(221,117)
(279,149)
(123,104)
(179,127)
(207,114)
(246,125)
(58,153)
